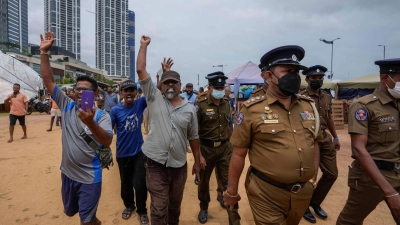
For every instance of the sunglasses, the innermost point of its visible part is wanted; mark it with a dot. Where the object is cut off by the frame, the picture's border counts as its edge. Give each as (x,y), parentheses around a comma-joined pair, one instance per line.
(170,81)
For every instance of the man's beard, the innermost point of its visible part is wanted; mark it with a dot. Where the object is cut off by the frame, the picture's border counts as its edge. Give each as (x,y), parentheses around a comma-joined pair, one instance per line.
(189,92)
(170,95)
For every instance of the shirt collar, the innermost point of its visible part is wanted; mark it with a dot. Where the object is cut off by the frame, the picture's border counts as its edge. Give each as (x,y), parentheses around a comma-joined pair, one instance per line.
(383,98)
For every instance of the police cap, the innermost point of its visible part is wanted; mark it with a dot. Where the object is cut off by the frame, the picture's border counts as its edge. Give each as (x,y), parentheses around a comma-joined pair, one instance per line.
(216,79)
(316,70)
(284,55)
(388,66)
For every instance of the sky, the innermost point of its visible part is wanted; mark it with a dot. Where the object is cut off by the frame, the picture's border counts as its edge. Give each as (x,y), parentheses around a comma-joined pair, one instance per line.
(199,34)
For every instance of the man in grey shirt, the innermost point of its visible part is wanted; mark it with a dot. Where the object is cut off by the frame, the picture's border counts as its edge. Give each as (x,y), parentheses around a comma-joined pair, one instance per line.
(165,147)
(81,171)
(110,98)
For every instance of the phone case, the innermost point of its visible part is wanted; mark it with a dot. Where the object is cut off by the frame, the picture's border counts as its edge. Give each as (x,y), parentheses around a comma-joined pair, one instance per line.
(87,96)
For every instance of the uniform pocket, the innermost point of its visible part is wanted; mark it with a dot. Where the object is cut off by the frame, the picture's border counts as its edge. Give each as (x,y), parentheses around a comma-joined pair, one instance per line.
(274,134)
(309,131)
(388,132)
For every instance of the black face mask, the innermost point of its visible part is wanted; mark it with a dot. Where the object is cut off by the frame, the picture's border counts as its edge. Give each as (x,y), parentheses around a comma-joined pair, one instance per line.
(289,84)
(316,84)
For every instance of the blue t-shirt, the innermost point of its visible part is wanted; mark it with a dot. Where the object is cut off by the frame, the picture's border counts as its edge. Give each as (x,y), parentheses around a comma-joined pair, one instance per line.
(129,127)
(191,98)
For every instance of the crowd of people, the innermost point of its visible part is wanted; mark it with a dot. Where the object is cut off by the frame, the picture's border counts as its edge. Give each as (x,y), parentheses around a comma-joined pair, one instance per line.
(287,134)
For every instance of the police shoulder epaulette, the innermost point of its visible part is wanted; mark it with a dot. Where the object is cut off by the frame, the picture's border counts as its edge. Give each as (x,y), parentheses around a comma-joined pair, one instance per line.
(202,99)
(253,100)
(303,97)
(367,99)
(256,91)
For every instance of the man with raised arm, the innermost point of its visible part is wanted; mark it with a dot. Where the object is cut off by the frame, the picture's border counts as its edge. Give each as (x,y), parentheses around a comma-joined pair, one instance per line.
(81,171)
(165,147)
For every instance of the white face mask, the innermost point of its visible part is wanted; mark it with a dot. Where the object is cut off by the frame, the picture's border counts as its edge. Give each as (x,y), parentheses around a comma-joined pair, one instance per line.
(395,92)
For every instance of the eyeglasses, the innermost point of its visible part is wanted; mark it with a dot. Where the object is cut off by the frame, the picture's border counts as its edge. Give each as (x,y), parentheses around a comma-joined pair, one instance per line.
(82,89)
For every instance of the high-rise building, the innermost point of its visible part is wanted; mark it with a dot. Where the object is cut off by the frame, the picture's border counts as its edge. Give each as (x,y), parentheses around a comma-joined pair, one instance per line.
(131,44)
(63,17)
(14,22)
(112,53)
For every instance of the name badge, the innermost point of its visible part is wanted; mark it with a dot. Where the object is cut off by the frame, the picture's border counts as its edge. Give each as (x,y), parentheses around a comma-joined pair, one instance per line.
(271,121)
(387,118)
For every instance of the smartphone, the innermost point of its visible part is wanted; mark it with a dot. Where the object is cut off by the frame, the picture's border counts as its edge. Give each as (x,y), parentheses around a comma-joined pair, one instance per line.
(87,96)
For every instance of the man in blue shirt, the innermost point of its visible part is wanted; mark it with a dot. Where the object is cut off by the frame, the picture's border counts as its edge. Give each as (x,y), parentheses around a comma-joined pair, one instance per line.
(189,95)
(127,117)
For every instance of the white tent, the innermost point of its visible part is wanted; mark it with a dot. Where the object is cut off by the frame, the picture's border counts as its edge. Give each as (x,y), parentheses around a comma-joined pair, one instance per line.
(249,73)
(13,71)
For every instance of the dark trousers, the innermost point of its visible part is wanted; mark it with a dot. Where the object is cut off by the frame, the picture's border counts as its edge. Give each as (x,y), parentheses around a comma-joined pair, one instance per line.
(133,178)
(328,167)
(219,158)
(165,185)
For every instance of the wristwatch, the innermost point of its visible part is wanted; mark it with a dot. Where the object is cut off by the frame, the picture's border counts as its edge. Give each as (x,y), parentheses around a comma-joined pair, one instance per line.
(313,182)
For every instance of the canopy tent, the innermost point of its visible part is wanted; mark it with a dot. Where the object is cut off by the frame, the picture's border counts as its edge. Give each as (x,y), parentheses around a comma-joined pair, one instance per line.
(370,81)
(13,71)
(249,73)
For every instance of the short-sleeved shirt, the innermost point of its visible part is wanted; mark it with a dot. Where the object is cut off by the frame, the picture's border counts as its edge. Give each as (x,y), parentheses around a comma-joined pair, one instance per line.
(170,127)
(377,116)
(213,119)
(53,104)
(79,161)
(17,105)
(323,103)
(109,100)
(280,141)
(191,98)
(129,129)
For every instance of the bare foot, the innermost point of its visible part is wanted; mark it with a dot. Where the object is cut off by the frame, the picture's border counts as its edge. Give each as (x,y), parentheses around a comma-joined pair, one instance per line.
(24,137)
(9,141)
(49,130)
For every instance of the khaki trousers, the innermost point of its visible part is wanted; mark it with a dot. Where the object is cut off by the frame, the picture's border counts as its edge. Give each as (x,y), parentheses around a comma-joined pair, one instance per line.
(273,205)
(219,158)
(364,194)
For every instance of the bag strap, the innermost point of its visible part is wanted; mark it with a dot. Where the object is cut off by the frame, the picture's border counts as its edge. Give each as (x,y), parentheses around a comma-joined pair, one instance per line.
(85,137)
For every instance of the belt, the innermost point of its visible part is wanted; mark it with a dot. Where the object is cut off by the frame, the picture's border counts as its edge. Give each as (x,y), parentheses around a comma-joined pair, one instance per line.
(389,166)
(294,187)
(211,144)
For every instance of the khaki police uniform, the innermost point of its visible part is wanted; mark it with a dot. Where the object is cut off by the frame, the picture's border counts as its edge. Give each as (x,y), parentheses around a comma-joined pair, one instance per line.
(281,154)
(327,161)
(376,116)
(260,91)
(215,148)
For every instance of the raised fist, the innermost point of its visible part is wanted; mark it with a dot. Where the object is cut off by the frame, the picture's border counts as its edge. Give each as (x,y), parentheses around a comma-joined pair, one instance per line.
(145,40)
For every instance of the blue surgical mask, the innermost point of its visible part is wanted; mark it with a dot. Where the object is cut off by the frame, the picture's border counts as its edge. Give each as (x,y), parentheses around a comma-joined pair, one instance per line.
(218,94)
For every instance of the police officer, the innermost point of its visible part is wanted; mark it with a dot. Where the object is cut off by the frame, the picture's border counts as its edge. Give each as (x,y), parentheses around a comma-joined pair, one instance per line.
(327,148)
(279,130)
(375,141)
(213,112)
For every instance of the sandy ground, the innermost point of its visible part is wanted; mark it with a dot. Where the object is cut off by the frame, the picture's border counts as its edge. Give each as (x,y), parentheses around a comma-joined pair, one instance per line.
(31,182)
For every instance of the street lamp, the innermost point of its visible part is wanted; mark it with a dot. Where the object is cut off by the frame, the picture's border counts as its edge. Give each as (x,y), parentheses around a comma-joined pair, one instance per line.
(220,66)
(384,49)
(330,43)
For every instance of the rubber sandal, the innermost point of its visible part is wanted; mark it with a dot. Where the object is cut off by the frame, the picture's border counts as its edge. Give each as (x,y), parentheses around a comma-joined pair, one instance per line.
(127,213)
(144,219)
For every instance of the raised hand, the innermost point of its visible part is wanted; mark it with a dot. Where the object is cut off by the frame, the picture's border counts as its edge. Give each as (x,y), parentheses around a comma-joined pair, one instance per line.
(145,40)
(166,65)
(47,42)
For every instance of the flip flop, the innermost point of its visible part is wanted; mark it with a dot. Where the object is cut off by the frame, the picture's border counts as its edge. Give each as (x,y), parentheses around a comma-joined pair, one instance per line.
(144,219)
(127,213)
(9,141)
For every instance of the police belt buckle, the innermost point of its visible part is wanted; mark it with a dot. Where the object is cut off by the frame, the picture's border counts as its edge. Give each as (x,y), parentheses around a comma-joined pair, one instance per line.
(216,144)
(397,166)
(295,188)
